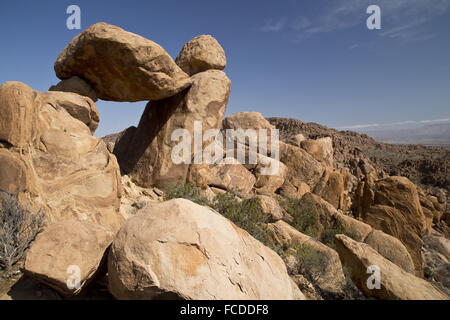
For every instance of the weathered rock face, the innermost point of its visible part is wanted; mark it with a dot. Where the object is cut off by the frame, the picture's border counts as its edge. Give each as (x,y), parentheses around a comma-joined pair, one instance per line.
(302,169)
(389,247)
(247,120)
(76,85)
(178,249)
(200,54)
(436,254)
(63,249)
(321,149)
(121,66)
(271,207)
(395,282)
(329,274)
(229,174)
(51,160)
(147,157)
(393,206)
(333,187)
(79,107)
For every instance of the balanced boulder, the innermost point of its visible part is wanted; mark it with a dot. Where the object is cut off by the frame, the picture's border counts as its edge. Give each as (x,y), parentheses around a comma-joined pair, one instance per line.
(120,65)
(200,54)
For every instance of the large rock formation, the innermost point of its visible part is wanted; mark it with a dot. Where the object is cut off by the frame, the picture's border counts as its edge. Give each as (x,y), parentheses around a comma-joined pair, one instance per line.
(120,65)
(303,170)
(147,156)
(51,161)
(178,249)
(67,255)
(327,271)
(393,206)
(200,54)
(395,283)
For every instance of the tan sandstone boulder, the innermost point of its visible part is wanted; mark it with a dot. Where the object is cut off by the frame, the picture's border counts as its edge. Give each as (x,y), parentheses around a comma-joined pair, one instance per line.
(395,209)
(395,283)
(303,170)
(200,54)
(63,250)
(229,174)
(321,149)
(79,107)
(120,65)
(51,160)
(147,155)
(178,249)
(76,85)
(327,270)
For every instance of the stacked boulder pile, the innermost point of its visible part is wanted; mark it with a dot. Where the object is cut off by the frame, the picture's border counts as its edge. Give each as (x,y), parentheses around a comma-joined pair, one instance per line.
(104,205)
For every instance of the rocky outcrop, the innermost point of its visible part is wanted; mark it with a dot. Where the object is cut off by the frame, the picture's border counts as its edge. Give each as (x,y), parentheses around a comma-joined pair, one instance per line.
(200,54)
(147,156)
(436,256)
(271,208)
(395,283)
(79,107)
(388,246)
(51,161)
(76,85)
(120,65)
(219,260)
(303,170)
(229,174)
(67,255)
(321,150)
(327,271)
(393,206)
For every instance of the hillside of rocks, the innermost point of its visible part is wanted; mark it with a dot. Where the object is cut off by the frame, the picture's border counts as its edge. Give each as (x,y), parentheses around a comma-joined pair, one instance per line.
(309,217)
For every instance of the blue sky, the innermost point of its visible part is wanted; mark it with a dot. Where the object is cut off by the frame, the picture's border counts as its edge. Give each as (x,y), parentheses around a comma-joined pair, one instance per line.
(310,60)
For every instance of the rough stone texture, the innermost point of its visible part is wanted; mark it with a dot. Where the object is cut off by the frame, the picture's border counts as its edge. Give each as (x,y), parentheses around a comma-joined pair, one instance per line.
(120,65)
(332,188)
(393,206)
(389,247)
(147,155)
(436,254)
(63,245)
(178,249)
(271,207)
(330,276)
(247,120)
(302,169)
(51,161)
(229,174)
(79,107)
(321,149)
(201,54)
(396,284)
(76,85)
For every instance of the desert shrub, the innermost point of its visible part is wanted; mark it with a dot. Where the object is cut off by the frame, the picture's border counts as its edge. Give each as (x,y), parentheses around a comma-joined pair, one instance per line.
(247,214)
(310,262)
(18,229)
(306,218)
(188,191)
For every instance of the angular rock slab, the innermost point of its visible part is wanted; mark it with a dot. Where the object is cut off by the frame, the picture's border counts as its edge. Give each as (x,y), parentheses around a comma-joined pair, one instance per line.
(63,247)
(120,65)
(180,250)
(395,284)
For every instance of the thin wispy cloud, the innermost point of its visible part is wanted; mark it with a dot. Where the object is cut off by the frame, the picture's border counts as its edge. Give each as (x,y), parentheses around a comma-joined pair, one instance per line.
(373,125)
(402,20)
(271,25)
